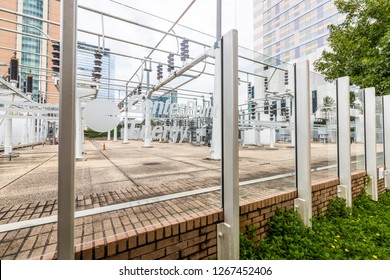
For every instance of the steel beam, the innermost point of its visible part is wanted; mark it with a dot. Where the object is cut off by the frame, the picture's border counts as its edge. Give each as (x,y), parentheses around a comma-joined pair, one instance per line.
(180,72)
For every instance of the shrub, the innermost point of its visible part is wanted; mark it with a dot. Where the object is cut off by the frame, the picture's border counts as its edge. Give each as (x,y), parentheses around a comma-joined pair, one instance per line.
(362,232)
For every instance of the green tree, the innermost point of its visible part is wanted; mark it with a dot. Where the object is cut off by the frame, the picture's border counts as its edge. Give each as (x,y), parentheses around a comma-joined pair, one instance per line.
(360,46)
(328,106)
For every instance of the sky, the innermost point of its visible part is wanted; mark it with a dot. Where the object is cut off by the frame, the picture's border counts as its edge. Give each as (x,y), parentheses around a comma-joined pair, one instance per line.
(200,16)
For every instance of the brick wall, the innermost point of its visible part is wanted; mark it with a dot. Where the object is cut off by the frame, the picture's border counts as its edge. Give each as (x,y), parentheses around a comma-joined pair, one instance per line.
(258,213)
(381,184)
(322,193)
(358,183)
(195,236)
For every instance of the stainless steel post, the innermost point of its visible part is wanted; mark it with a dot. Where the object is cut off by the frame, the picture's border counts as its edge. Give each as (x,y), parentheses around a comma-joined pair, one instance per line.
(66,152)
(370,128)
(344,140)
(386,138)
(303,153)
(228,232)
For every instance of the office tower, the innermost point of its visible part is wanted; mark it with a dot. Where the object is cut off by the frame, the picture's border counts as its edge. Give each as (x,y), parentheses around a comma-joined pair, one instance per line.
(293,30)
(85,67)
(25,28)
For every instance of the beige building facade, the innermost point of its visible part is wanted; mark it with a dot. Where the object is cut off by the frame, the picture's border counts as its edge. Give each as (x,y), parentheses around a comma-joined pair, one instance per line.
(293,30)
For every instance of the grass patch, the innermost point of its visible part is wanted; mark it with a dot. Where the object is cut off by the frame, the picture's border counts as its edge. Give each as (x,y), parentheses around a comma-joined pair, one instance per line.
(360,233)
(91,134)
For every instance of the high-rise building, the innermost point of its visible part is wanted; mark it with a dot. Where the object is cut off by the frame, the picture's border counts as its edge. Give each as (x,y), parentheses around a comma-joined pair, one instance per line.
(292,30)
(25,28)
(85,67)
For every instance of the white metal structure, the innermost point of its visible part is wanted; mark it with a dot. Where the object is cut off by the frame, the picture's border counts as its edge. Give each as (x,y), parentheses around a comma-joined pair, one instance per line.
(228,232)
(344,142)
(66,153)
(225,131)
(370,131)
(386,126)
(303,151)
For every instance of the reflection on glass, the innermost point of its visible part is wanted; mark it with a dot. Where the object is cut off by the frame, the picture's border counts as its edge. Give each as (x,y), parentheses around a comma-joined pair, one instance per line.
(379,131)
(323,124)
(266,135)
(357,130)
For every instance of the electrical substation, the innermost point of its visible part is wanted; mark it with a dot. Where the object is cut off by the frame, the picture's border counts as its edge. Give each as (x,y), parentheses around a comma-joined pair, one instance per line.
(155,122)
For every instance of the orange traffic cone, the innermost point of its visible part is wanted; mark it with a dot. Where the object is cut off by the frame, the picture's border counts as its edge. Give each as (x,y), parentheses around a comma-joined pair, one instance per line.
(104,146)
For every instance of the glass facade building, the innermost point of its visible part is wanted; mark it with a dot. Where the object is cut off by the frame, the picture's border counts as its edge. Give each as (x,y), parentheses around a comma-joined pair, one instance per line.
(31,45)
(85,66)
(289,30)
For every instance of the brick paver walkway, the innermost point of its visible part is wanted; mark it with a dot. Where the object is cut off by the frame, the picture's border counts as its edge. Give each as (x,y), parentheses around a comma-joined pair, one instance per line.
(122,173)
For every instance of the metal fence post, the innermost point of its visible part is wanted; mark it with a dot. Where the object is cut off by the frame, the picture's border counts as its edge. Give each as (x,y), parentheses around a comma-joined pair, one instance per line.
(370,130)
(344,190)
(303,204)
(228,232)
(66,152)
(386,138)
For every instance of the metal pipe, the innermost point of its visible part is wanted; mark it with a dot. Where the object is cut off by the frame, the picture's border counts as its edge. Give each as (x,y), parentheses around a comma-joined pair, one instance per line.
(262,63)
(167,20)
(24,34)
(28,25)
(186,82)
(15,50)
(124,41)
(180,72)
(29,16)
(162,39)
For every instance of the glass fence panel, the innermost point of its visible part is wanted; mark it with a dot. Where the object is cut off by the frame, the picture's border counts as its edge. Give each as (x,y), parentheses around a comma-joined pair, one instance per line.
(151,169)
(28,174)
(161,168)
(266,125)
(323,125)
(380,160)
(357,130)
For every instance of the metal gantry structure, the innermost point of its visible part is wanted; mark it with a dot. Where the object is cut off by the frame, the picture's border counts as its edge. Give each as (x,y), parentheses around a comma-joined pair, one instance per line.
(266,102)
(199,134)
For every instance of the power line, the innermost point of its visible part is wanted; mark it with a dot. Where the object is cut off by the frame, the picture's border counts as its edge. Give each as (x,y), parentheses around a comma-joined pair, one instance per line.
(165,35)
(159,17)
